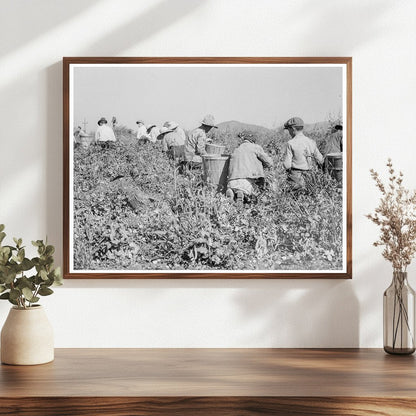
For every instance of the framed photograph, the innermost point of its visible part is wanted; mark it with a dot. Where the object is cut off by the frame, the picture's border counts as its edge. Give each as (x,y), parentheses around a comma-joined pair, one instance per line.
(207,168)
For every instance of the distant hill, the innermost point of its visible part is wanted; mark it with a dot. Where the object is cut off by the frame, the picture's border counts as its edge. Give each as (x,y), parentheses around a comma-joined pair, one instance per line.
(234,126)
(321,125)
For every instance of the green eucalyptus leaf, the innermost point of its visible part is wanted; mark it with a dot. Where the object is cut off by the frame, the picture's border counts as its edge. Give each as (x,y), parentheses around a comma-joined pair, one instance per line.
(49,250)
(15,294)
(26,264)
(2,227)
(11,247)
(5,250)
(45,291)
(37,243)
(58,280)
(24,282)
(5,295)
(4,255)
(27,293)
(2,236)
(38,280)
(43,274)
(21,255)
(13,302)
(2,288)
(9,277)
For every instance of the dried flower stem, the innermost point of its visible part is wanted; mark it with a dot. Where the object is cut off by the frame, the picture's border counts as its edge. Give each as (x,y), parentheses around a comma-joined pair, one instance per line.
(396,216)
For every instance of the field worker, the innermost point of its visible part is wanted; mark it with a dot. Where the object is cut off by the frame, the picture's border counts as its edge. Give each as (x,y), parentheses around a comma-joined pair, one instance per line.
(77,133)
(334,142)
(301,154)
(104,134)
(141,131)
(197,140)
(173,141)
(152,132)
(247,165)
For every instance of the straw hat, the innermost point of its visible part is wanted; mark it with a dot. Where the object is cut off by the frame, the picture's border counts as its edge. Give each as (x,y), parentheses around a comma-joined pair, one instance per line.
(209,121)
(150,126)
(102,120)
(139,122)
(163,131)
(171,125)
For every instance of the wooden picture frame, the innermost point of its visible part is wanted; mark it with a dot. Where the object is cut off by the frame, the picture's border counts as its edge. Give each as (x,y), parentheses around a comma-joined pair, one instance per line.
(108,235)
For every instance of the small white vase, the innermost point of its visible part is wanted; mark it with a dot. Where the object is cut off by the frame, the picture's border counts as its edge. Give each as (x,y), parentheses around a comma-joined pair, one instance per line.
(27,337)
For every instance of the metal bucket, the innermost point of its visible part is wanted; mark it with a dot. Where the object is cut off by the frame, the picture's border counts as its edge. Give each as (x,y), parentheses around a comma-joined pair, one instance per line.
(214,149)
(215,171)
(333,165)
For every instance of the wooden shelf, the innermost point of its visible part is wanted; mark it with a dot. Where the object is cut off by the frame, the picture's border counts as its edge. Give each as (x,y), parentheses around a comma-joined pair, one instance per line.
(212,382)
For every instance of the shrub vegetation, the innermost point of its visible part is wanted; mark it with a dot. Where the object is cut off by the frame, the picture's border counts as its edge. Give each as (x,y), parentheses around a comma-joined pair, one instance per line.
(133,210)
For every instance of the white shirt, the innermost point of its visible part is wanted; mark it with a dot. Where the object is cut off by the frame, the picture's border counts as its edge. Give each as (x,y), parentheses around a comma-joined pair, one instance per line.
(142,131)
(301,152)
(154,132)
(105,133)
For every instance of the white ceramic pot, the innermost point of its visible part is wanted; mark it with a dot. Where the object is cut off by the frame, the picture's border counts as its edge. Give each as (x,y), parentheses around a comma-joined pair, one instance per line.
(27,337)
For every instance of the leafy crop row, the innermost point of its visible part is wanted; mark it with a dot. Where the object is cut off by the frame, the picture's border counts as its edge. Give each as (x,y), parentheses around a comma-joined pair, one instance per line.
(133,210)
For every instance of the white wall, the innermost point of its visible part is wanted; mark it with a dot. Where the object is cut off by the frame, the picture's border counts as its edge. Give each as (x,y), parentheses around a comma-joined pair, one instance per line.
(380,35)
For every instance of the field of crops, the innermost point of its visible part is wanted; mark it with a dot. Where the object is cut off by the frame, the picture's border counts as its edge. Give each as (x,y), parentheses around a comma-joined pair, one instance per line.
(133,210)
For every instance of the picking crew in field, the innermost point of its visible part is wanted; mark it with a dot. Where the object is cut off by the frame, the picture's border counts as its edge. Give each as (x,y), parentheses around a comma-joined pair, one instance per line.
(301,154)
(197,140)
(246,168)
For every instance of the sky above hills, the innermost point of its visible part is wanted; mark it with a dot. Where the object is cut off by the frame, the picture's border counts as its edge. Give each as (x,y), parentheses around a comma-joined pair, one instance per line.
(262,95)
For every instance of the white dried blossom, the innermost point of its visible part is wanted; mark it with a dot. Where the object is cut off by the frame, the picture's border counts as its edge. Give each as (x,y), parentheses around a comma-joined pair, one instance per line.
(396,216)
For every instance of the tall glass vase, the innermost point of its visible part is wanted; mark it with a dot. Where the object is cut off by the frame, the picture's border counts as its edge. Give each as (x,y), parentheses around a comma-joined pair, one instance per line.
(399,316)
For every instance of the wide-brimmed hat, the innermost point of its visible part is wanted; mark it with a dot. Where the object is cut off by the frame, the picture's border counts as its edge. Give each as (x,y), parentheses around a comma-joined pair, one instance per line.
(171,125)
(162,132)
(294,122)
(247,135)
(139,122)
(102,120)
(209,121)
(150,126)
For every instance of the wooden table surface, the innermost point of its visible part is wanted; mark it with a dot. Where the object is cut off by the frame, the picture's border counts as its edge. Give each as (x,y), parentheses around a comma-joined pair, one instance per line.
(212,382)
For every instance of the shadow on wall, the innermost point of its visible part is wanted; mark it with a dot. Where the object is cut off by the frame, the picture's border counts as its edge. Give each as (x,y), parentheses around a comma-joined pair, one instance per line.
(162,15)
(336,18)
(39,16)
(137,30)
(301,313)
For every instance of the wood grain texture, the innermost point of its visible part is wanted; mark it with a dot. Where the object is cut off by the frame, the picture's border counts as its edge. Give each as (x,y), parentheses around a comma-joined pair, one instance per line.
(67,61)
(207,406)
(212,381)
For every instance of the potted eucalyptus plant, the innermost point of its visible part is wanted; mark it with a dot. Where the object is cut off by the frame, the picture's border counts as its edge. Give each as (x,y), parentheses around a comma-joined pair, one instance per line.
(27,336)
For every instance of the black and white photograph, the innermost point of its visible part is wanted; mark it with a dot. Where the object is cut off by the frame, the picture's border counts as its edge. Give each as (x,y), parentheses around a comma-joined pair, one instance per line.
(215,168)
